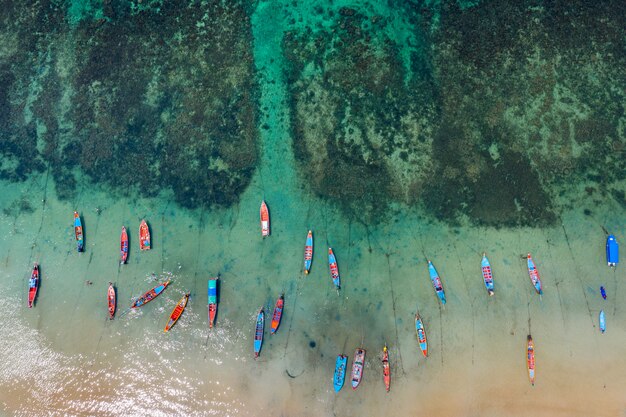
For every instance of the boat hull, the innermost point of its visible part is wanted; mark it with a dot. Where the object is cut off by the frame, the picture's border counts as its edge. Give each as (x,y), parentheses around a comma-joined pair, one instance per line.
(437,285)
(487,275)
(212,300)
(612,251)
(340,372)
(150,295)
(421,335)
(177,312)
(357,368)
(386,369)
(144,236)
(534,275)
(78,232)
(265,219)
(278,313)
(602,320)
(530,360)
(123,246)
(258,333)
(33,285)
(334,269)
(111,301)
(308,252)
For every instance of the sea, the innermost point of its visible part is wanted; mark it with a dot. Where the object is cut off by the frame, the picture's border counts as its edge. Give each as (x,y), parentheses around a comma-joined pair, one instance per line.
(396,131)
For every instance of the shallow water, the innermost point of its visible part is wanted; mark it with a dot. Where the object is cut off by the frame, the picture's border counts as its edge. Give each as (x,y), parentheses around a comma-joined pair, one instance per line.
(64,356)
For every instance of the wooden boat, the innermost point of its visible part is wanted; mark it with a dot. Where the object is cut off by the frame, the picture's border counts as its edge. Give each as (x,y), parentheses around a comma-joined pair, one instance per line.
(334,270)
(421,334)
(150,295)
(176,313)
(602,321)
(212,293)
(258,333)
(340,372)
(278,313)
(487,277)
(78,232)
(534,274)
(530,360)
(33,285)
(357,367)
(144,236)
(612,251)
(123,246)
(112,302)
(434,277)
(386,370)
(308,252)
(265,220)
(603,292)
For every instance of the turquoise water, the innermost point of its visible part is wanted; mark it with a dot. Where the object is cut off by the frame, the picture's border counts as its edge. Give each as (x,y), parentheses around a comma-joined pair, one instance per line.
(234,104)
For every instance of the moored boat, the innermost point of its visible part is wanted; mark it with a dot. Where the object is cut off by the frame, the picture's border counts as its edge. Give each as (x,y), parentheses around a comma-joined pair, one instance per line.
(603,292)
(177,312)
(530,360)
(487,276)
(111,300)
(334,270)
(212,293)
(357,367)
(144,236)
(421,334)
(434,277)
(340,372)
(278,313)
(123,246)
(308,252)
(386,369)
(265,220)
(612,251)
(258,332)
(534,274)
(78,232)
(602,319)
(150,295)
(33,285)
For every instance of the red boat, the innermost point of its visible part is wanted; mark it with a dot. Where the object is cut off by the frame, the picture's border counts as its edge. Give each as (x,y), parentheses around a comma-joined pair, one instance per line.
(33,285)
(265,220)
(176,313)
(144,236)
(123,246)
(212,301)
(386,370)
(112,300)
(278,313)
(530,360)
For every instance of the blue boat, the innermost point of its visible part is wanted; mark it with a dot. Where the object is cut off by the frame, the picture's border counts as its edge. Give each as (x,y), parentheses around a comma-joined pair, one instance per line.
(308,252)
(534,274)
(603,292)
(258,334)
(612,251)
(602,321)
(487,276)
(340,372)
(334,270)
(78,232)
(434,277)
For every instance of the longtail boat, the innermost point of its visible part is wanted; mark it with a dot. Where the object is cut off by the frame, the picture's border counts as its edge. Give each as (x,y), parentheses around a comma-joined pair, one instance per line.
(487,276)
(212,292)
(603,292)
(357,367)
(144,236)
(602,321)
(434,277)
(176,313)
(334,270)
(111,299)
(258,333)
(612,251)
(33,285)
(386,370)
(340,372)
(78,232)
(123,246)
(534,275)
(421,334)
(150,295)
(265,220)
(278,313)
(308,252)
(530,360)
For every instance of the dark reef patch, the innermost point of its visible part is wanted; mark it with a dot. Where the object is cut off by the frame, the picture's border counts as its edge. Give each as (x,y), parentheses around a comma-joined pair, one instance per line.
(138,98)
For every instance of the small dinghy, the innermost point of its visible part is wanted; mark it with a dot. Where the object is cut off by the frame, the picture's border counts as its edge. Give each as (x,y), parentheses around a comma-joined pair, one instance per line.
(434,277)
(340,372)
(33,285)
(111,300)
(308,253)
(265,220)
(177,312)
(530,360)
(258,333)
(123,246)
(278,313)
(603,292)
(334,270)
(150,295)
(144,236)
(612,251)
(487,277)
(212,293)
(386,369)
(534,275)
(602,321)
(421,335)
(357,367)
(78,232)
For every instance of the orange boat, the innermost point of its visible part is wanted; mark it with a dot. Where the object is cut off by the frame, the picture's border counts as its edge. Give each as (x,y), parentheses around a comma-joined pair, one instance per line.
(144,236)
(123,246)
(278,313)
(530,360)
(176,313)
(112,302)
(265,220)
(386,370)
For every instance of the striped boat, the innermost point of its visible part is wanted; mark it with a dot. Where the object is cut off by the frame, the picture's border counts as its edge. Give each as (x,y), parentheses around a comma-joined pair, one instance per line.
(487,277)
(308,252)
(150,295)
(334,270)
(434,277)
(534,275)
(530,360)
(421,335)
(386,369)
(111,300)
(212,300)
(258,333)
(177,312)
